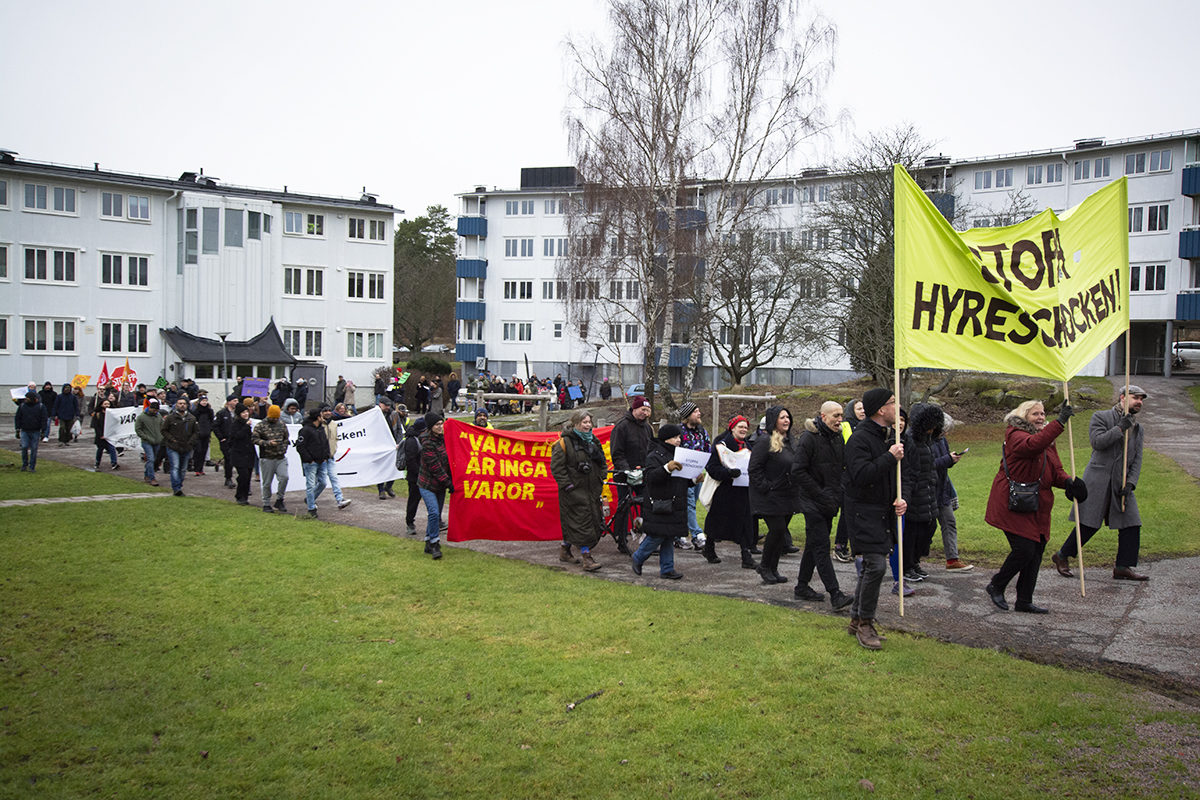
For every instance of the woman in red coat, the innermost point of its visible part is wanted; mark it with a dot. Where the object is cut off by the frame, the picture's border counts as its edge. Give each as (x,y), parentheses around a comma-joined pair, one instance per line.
(1031,456)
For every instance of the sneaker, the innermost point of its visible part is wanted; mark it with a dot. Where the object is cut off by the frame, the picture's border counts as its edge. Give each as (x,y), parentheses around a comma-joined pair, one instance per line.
(179,493)
(912,576)
(908,590)
(45,438)
(279,504)
(199,474)
(115,467)
(411,530)
(917,568)
(957,565)
(842,553)
(312,512)
(344,504)
(268,509)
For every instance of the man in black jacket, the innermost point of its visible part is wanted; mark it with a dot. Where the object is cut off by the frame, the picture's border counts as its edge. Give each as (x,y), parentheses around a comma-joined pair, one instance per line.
(817,470)
(31,419)
(412,469)
(870,505)
(179,431)
(628,443)
(223,426)
(312,445)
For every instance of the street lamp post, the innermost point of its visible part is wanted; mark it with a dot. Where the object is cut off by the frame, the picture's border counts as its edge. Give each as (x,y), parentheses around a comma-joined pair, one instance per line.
(224,361)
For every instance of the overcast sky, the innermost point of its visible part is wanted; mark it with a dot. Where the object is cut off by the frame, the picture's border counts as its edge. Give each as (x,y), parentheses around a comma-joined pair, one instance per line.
(418,101)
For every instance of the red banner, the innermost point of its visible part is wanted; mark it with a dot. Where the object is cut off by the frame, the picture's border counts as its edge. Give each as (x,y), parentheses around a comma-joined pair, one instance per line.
(503,488)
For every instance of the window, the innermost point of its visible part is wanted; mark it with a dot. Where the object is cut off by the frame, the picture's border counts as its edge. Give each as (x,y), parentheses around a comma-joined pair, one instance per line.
(784,196)
(293,222)
(55,266)
(1147,277)
(1004,178)
(1083,170)
(377,230)
(554,290)
(518,290)
(552,207)
(518,248)
(808,194)
(1103,167)
(3,195)
(210,228)
(358,228)
(364,344)
(304,281)
(60,198)
(50,335)
(511,208)
(614,333)
(266,223)
(586,290)
(527,207)
(728,335)
(810,288)
(1157,161)
(253,225)
(552,247)
(518,331)
(233,227)
(1149,219)
(823,193)
(139,207)
(112,204)
(365,285)
(3,262)
(302,342)
(123,270)
(558,330)
(983,179)
(1043,173)
(135,338)
(191,236)
(470,330)
(314,225)
(3,333)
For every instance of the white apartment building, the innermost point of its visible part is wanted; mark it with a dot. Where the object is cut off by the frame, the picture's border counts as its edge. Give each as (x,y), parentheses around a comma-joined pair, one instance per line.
(511,308)
(99,266)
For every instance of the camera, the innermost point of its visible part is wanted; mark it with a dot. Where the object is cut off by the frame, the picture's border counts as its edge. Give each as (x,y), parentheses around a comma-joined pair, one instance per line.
(584,467)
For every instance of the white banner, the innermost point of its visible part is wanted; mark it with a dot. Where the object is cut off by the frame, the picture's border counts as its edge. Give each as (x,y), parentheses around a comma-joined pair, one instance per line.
(739,460)
(693,463)
(19,393)
(366,452)
(118,427)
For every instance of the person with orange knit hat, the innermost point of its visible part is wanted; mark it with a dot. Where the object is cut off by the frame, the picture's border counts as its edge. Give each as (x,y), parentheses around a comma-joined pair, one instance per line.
(271,437)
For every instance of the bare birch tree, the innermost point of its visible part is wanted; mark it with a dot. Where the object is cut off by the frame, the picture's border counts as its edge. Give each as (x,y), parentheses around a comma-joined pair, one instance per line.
(684,97)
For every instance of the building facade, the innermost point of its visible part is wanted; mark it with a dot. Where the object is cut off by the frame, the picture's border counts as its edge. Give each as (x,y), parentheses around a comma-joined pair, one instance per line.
(99,266)
(512,306)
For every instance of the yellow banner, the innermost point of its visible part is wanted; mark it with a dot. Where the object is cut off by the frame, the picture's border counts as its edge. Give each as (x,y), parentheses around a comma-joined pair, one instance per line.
(1040,298)
(81,381)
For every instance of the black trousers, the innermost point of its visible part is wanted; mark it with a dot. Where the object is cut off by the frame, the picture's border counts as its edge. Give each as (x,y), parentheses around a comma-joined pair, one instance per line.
(777,537)
(414,501)
(917,538)
(1024,560)
(1129,542)
(244,473)
(816,552)
(200,454)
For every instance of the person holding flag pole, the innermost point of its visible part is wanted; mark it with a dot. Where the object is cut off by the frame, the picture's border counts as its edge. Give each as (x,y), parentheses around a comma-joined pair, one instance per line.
(1040,298)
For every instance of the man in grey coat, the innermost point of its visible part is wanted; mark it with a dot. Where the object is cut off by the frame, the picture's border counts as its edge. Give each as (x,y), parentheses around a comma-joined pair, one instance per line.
(1111,486)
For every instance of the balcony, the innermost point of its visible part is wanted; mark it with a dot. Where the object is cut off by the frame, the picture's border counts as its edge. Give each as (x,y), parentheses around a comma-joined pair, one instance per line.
(470,268)
(467,352)
(472,226)
(1189,242)
(686,219)
(1187,305)
(1191,181)
(679,356)
(469,309)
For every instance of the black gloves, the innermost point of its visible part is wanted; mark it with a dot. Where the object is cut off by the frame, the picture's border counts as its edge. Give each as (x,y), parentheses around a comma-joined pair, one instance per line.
(735,472)
(1126,490)
(1065,413)
(1125,422)
(1076,489)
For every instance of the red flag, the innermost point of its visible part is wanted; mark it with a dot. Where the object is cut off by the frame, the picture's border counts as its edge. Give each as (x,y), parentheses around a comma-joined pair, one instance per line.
(503,486)
(102,378)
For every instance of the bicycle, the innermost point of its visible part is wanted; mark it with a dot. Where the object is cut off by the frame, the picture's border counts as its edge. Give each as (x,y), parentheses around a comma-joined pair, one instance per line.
(629,489)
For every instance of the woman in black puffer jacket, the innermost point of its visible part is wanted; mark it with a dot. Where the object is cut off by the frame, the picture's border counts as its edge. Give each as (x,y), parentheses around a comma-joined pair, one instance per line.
(771,494)
(664,514)
(918,481)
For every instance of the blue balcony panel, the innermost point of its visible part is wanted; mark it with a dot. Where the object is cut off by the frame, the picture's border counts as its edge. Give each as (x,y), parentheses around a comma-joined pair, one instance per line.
(470,268)
(686,219)
(1189,244)
(1187,306)
(467,353)
(469,309)
(679,356)
(1191,181)
(472,226)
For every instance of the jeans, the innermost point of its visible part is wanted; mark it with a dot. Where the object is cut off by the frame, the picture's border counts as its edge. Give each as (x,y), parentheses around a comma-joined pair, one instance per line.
(46,428)
(102,446)
(433,510)
(1024,560)
(314,482)
(177,462)
(949,526)
(694,529)
(816,553)
(273,468)
(866,593)
(150,450)
(1128,543)
(665,545)
(329,469)
(29,447)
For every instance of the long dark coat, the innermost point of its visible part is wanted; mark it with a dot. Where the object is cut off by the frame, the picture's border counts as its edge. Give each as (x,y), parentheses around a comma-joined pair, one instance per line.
(662,485)
(729,516)
(579,490)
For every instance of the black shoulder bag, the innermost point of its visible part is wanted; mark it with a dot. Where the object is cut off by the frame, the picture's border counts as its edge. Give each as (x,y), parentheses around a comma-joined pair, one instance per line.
(1023,498)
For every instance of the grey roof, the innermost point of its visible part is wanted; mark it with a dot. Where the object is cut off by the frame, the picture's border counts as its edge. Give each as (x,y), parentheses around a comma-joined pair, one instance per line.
(188,182)
(265,348)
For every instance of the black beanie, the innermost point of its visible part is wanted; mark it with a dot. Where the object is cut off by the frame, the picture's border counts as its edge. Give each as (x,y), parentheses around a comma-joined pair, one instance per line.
(874,400)
(669,430)
(431,419)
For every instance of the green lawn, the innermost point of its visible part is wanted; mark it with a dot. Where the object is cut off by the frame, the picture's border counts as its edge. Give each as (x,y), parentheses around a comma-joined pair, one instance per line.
(53,479)
(202,656)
